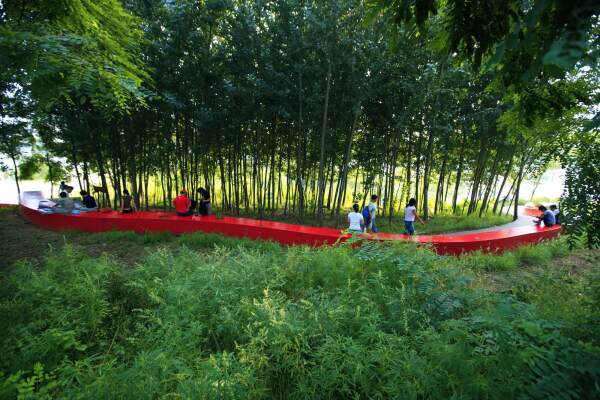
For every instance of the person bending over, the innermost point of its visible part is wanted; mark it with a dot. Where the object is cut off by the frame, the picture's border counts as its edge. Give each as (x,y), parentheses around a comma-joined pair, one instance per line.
(183,204)
(410,213)
(355,220)
(127,205)
(547,217)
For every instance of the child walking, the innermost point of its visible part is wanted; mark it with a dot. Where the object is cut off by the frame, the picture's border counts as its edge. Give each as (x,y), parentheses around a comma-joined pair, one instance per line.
(410,213)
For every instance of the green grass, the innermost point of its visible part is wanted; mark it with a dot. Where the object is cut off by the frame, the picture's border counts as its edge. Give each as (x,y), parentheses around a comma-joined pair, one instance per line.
(540,254)
(203,316)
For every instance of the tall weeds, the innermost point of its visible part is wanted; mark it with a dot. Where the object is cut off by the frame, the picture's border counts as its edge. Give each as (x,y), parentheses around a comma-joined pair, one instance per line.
(254,320)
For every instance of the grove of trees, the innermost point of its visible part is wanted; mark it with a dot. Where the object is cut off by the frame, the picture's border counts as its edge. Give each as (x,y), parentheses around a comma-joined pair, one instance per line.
(298,106)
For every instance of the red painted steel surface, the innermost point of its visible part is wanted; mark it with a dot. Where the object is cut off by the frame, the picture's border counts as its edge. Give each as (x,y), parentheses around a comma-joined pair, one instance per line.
(288,234)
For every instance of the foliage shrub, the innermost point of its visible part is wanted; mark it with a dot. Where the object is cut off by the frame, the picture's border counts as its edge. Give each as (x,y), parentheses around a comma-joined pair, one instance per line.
(531,255)
(253,320)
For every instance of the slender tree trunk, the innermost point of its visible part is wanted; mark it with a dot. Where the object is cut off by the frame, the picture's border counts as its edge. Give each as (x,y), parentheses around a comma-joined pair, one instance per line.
(322,155)
(506,174)
(459,171)
(300,152)
(428,163)
(344,170)
(483,150)
(518,185)
(14,161)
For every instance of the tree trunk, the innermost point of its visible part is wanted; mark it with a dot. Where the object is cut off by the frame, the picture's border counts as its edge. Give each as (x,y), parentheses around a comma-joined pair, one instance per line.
(322,155)
(14,161)
(428,163)
(459,171)
(506,174)
(518,185)
(344,171)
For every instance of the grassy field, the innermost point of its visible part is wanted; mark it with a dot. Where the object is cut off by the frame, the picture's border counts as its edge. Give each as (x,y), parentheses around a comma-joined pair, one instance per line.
(120,315)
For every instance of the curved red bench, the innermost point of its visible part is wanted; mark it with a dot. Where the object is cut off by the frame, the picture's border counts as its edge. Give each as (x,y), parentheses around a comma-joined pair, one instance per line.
(289,234)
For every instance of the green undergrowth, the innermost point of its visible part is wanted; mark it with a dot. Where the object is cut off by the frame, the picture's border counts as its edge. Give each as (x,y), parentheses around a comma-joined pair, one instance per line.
(254,320)
(539,254)
(197,240)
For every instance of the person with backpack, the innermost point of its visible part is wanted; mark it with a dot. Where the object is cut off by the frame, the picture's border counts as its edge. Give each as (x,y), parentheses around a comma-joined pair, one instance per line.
(369,214)
(410,213)
(356,220)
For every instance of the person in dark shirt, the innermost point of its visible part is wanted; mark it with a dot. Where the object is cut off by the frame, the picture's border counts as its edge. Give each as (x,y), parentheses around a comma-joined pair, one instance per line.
(204,207)
(547,217)
(127,205)
(87,200)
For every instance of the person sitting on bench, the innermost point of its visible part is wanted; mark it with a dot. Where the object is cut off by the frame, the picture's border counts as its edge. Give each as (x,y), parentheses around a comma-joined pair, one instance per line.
(127,204)
(87,200)
(204,207)
(183,204)
(547,217)
(556,213)
(64,204)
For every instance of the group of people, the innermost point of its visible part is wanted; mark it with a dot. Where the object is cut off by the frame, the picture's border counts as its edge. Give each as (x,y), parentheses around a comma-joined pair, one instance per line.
(185,206)
(65,203)
(549,217)
(365,221)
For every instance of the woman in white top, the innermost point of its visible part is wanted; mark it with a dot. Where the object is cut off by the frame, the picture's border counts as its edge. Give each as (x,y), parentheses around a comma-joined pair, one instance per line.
(410,213)
(355,219)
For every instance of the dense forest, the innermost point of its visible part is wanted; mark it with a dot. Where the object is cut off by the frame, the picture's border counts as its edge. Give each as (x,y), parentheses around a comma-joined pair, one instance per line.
(301,106)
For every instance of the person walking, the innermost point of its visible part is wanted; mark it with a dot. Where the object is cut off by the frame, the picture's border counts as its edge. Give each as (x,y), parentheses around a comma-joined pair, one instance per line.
(370,213)
(410,214)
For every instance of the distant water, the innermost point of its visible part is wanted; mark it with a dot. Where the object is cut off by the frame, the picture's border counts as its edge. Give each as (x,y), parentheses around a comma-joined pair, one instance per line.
(9,194)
